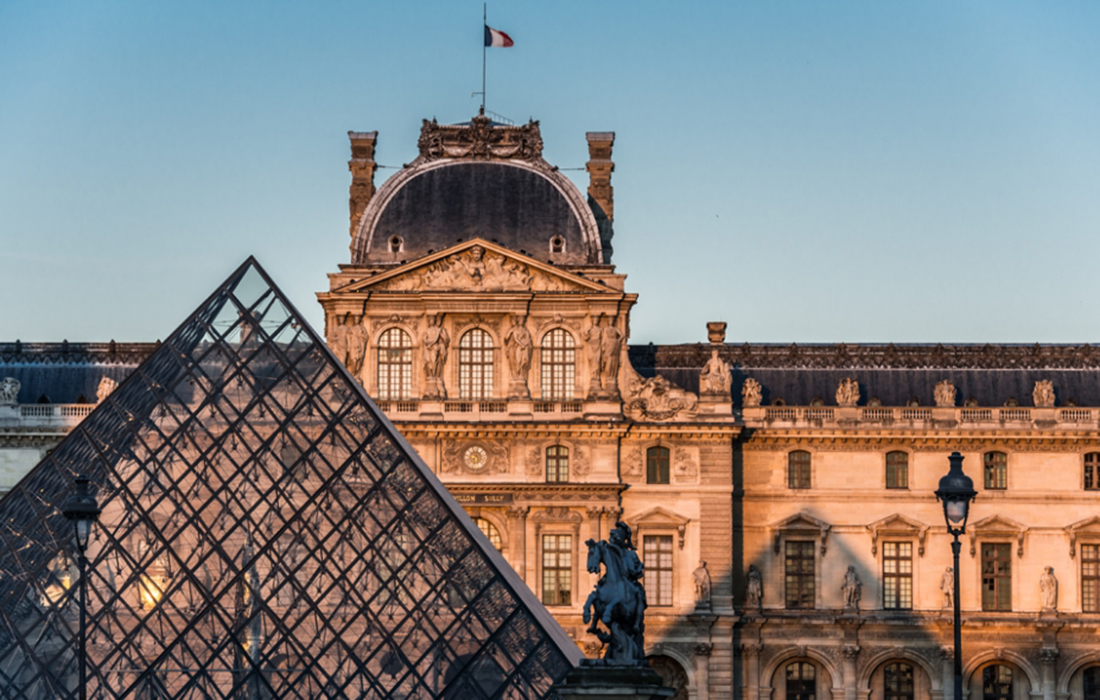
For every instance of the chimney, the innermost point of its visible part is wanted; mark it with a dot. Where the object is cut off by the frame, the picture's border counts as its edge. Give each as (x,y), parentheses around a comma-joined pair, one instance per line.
(600,167)
(362,167)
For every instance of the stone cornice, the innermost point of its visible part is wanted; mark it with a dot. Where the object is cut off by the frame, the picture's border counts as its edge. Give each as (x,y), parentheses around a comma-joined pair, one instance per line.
(923,441)
(66,353)
(593,430)
(529,493)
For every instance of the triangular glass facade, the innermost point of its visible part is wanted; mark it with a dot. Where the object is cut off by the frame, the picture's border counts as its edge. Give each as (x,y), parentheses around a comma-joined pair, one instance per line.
(265,533)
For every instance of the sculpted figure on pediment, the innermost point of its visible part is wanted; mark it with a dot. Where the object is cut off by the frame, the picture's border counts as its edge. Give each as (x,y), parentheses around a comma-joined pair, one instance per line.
(945,394)
(106,386)
(715,379)
(657,398)
(847,394)
(1043,394)
(473,268)
(751,393)
(9,390)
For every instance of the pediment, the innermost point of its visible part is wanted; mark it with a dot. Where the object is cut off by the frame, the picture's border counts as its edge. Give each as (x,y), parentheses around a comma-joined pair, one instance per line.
(1088,528)
(998,526)
(800,524)
(898,525)
(660,518)
(476,266)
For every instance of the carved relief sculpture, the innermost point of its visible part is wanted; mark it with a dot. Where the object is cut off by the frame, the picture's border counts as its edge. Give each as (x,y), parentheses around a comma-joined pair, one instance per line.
(751,393)
(605,344)
(480,140)
(518,347)
(715,379)
(106,386)
(847,394)
(1048,589)
(701,578)
(9,391)
(947,585)
(436,342)
(754,589)
(852,589)
(1043,394)
(658,399)
(945,394)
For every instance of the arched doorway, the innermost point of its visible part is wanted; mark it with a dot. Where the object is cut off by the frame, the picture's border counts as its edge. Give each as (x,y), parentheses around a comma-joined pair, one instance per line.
(672,673)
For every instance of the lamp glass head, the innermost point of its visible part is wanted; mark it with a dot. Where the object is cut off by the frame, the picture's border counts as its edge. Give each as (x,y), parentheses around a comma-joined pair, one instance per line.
(956,510)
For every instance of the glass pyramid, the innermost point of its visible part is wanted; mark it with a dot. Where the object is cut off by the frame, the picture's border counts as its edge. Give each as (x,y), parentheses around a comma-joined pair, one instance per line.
(266,533)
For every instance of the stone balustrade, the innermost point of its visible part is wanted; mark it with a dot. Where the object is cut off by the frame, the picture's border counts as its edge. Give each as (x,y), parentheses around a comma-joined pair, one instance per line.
(1023,418)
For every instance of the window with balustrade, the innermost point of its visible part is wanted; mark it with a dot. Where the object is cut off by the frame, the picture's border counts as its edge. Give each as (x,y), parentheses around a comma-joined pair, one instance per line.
(996,470)
(475,365)
(897,470)
(394,365)
(557,359)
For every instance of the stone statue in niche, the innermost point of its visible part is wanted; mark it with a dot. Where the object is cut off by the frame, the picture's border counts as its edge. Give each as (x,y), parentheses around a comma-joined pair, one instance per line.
(847,394)
(106,386)
(945,394)
(605,343)
(754,589)
(619,600)
(1043,394)
(715,379)
(9,391)
(658,399)
(947,586)
(356,348)
(701,578)
(852,589)
(751,393)
(518,347)
(1048,589)
(436,342)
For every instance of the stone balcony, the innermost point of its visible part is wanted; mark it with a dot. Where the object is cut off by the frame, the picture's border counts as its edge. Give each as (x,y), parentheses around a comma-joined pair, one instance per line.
(43,416)
(923,417)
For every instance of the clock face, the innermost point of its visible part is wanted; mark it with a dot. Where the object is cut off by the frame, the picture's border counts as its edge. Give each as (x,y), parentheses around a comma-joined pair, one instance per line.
(475,457)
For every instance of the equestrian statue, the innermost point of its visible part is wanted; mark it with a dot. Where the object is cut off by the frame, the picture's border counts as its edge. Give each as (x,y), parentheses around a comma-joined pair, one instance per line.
(618,600)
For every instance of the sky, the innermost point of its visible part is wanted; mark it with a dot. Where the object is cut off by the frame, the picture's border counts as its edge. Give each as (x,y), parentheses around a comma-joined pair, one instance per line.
(807,172)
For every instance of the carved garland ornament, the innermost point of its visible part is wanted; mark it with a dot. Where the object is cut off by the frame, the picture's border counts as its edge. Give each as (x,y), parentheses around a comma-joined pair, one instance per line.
(480,140)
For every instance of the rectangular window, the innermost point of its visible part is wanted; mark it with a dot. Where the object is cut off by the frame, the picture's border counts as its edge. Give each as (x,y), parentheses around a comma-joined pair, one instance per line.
(897,470)
(798,470)
(656,470)
(996,470)
(1092,471)
(557,464)
(658,569)
(1090,578)
(996,577)
(800,574)
(557,569)
(897,575)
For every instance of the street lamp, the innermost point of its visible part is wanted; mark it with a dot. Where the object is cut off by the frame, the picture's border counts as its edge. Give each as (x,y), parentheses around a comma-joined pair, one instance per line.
(83,510)
(956,491)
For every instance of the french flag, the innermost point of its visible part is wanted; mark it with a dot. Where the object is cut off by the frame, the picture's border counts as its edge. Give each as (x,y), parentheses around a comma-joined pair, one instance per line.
(495,37)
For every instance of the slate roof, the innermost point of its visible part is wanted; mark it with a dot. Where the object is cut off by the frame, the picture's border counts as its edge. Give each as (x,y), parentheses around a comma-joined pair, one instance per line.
(894,374)
(65,372)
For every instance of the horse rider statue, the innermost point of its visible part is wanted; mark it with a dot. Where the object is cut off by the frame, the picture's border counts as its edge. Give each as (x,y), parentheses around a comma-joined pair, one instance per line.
(619,598)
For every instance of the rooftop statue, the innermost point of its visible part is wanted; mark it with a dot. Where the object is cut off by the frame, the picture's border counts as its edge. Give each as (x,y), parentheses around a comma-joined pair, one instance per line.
(619,598)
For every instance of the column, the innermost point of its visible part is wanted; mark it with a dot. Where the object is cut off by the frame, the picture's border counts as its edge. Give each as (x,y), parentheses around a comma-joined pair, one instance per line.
(750,655)
(1047,657)
(594,514)
(702,670)
(517,524)
(948,656)
(851,652)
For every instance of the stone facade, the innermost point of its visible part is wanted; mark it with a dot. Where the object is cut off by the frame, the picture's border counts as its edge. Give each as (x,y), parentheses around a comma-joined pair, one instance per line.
(502,354)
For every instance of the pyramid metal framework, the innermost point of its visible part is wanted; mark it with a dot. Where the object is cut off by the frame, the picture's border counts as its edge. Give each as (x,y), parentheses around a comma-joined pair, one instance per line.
(266,533)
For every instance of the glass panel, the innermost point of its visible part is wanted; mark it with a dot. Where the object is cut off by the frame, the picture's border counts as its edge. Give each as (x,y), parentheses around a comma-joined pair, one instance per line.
(996,577)
(800,574)
(798,469)
(263,535)
(558,361)
(657,471)
(897,470)
(475,365)
(996,470)
(657,550)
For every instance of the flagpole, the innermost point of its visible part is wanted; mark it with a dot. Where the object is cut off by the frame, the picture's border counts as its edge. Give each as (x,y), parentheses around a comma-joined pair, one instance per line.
(485,23)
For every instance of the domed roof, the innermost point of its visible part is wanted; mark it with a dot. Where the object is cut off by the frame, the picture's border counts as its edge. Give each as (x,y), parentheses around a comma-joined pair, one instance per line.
(478,180)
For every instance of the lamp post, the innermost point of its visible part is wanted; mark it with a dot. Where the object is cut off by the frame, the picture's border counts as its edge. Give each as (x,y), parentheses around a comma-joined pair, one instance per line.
(83,510)
(956,491)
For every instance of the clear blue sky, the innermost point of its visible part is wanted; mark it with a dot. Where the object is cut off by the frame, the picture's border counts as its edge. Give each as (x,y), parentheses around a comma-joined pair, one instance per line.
(812,172)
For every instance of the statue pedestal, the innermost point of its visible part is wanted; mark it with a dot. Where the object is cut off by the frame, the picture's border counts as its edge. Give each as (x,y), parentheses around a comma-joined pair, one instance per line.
(592,680)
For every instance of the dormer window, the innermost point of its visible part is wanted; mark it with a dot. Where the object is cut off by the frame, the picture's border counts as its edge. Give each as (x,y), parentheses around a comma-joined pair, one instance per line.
(557,244)
(396,244)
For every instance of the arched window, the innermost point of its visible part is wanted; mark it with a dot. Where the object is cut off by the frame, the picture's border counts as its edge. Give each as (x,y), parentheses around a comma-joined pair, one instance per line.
(558,362)
(997,683)
(1091,678)
(394,365)
(898,682)
(897,470)
(798,469)
(996,470)
(1092,471)
(656,465)
(557,464)
(475,365)
(490,531)
(801,681)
